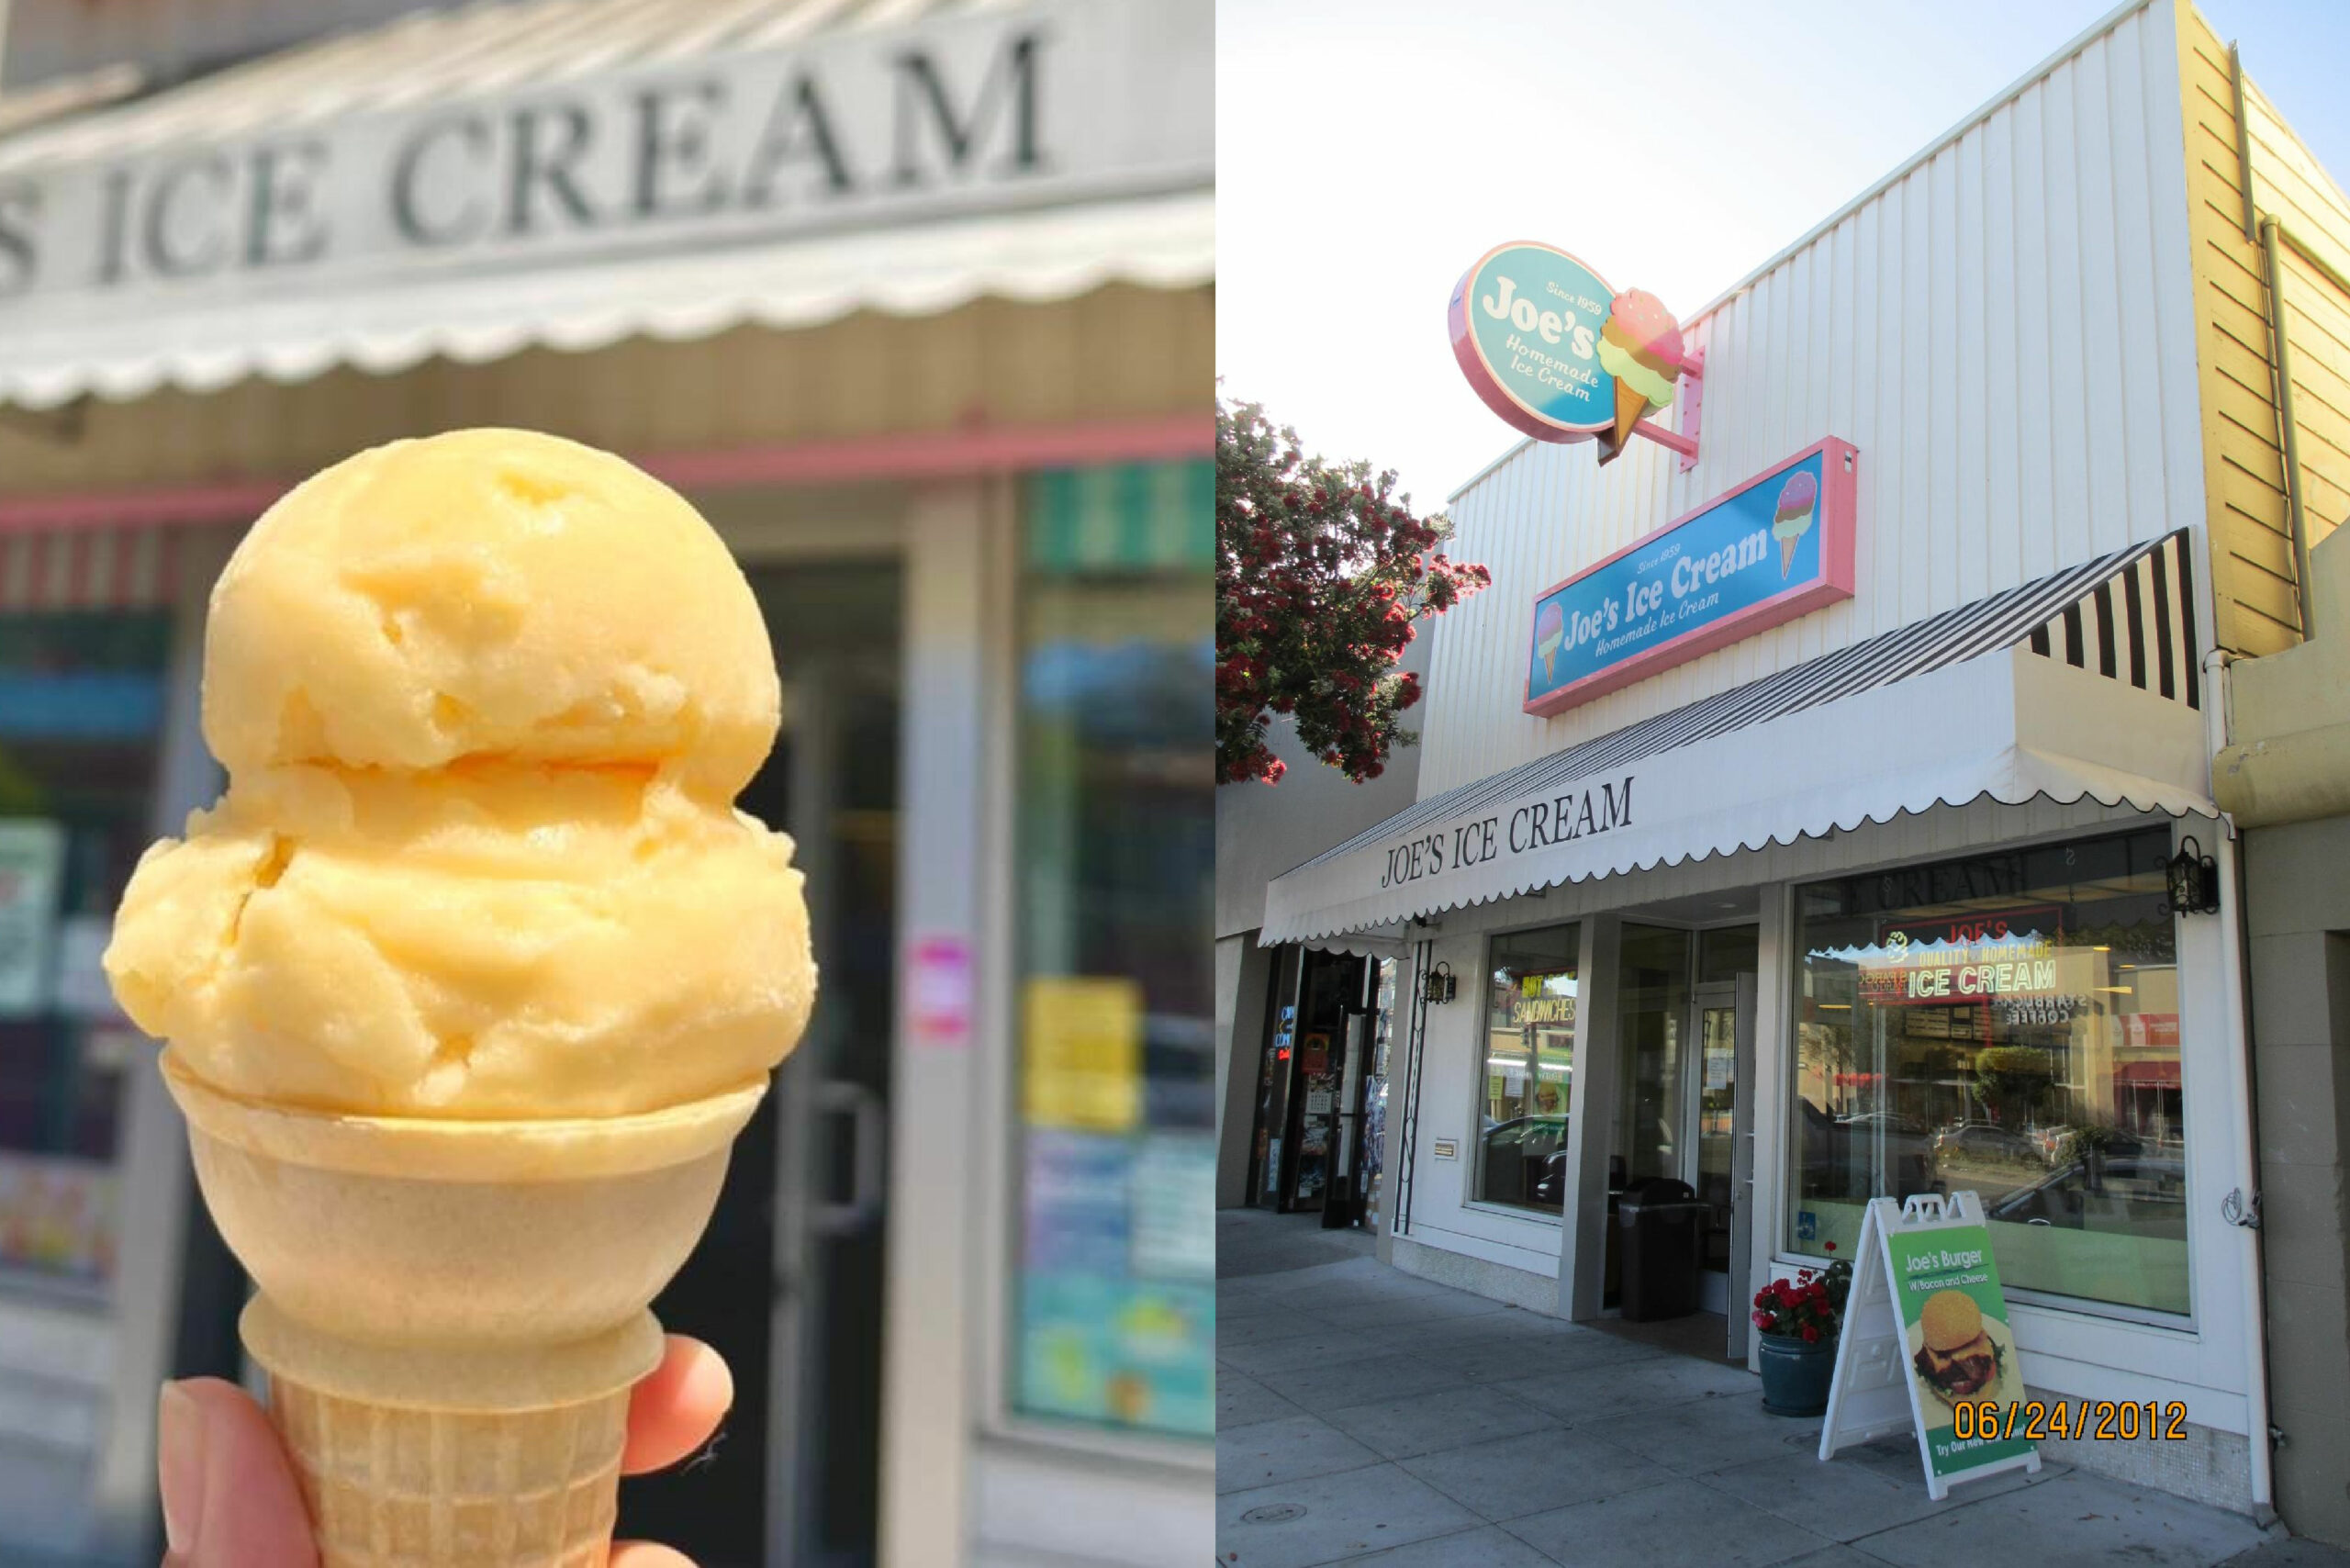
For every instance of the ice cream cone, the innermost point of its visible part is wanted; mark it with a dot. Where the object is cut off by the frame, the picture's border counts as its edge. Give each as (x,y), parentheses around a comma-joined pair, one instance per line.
(1550,664)
(1787,556)
(453,1312)
(1631,404)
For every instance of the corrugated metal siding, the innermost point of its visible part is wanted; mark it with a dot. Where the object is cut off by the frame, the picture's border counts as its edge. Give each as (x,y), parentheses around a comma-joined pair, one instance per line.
(1118,352)
(2005,333)
(2250,523)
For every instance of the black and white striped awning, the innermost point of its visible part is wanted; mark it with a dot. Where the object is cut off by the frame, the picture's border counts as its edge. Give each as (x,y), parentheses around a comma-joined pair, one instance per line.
(2081,683)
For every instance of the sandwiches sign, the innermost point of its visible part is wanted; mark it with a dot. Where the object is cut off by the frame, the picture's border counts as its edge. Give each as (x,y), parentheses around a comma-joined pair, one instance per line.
(1925,1333)
(1778,546)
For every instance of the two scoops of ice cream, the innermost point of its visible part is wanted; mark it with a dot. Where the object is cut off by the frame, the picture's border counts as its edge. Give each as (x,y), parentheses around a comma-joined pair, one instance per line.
(1641,346)
(472,976)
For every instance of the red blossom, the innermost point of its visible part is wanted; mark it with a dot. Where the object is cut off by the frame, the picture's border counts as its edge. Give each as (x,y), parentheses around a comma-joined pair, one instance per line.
(1320,577)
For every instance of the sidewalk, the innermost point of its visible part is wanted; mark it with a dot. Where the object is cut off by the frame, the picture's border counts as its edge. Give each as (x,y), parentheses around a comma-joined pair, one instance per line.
(1367,1417)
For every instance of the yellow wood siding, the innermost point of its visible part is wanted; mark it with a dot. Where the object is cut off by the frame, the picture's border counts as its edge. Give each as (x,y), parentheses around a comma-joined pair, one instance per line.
(2250,521)
(1118,352)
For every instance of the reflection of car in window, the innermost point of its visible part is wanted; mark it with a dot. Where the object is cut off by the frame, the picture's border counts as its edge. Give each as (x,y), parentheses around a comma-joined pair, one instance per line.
(1984,1141)
(1523,1161)
(2143,1194)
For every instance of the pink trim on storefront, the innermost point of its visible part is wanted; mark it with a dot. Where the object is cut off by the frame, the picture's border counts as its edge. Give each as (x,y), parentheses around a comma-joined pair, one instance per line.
(964,452)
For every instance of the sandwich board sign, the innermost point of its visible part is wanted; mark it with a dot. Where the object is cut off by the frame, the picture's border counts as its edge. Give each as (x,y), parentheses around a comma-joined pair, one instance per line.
(1925,1330)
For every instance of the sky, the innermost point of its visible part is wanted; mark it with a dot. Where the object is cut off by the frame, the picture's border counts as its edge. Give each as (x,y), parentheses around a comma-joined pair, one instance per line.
(1368,151)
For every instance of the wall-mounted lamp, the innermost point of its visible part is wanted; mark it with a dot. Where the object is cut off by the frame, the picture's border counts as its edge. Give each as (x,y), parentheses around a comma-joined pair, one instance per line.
(2194,879)
(1439,986)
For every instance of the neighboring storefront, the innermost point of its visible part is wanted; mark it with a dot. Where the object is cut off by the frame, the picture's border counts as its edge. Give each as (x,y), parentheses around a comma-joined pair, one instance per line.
(1815,808)
(917,311)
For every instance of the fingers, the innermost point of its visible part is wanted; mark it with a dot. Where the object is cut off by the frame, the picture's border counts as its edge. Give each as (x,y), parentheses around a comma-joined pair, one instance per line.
(228,1496)
(644,1555)
(675,1409)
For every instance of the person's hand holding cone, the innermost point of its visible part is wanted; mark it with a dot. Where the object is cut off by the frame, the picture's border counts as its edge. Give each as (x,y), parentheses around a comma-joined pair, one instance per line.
(1641,346)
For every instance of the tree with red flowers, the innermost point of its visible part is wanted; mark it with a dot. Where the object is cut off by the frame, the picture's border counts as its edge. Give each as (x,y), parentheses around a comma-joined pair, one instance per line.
(1321,570)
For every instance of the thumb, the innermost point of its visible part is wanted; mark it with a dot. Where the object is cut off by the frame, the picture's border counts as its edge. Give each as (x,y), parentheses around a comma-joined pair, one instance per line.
(230,1499)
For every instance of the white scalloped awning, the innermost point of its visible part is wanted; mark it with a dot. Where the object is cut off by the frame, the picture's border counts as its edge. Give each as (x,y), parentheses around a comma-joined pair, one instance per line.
(1058,253)
(376,198)
(2079,685)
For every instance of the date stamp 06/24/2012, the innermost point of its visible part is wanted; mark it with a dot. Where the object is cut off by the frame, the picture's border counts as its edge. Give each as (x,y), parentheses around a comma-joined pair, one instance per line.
(2084,1420)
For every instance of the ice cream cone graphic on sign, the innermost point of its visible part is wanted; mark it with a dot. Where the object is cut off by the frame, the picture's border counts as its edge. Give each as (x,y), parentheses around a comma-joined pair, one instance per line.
(1792,519)
(1641,346)
(1549,629)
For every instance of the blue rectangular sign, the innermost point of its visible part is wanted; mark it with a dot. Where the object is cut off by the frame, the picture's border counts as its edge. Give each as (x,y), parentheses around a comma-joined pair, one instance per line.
(1778,546)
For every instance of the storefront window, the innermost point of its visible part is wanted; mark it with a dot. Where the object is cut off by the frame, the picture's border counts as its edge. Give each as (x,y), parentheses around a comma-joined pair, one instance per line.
(1529,1068)
(1115,1313)
(2009,1024)
(81,707)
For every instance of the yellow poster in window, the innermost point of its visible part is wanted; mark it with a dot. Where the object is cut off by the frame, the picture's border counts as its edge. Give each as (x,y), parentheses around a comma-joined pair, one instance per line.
(1084,1053)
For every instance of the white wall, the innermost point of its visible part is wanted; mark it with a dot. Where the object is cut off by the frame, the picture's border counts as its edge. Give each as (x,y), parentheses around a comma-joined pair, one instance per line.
(2006,332)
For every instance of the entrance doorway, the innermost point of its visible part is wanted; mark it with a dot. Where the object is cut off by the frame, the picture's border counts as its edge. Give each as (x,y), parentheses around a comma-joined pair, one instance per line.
(788,1279)
(1684,1022)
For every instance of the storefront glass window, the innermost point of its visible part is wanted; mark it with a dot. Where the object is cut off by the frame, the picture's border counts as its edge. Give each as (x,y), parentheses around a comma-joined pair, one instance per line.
(81,708)
(2006,1024)
(1114,1313)
(1529,1068)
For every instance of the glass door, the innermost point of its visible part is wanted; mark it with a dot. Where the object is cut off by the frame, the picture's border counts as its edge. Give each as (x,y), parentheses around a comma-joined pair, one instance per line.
(1720,1161)
(787,1282)
(1713,1117)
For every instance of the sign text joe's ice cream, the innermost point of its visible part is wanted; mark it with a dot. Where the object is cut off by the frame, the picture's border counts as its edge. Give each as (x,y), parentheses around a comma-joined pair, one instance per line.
(1778,546)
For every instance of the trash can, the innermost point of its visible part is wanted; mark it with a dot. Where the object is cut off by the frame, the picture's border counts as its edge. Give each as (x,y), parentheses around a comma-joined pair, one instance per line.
(1660,1224)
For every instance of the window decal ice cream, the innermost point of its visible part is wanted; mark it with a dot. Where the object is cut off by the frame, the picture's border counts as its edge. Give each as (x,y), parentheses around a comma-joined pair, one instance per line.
(1775,547)
(1554,351)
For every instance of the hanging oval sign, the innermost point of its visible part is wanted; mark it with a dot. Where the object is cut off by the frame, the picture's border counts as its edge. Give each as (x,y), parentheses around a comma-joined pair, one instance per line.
(1525,324)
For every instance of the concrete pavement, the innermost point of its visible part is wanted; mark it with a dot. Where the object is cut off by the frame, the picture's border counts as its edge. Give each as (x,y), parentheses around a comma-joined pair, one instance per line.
(1367,1416)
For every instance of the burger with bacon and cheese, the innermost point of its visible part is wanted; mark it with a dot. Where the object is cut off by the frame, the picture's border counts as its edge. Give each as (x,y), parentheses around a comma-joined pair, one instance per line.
(1957,1359)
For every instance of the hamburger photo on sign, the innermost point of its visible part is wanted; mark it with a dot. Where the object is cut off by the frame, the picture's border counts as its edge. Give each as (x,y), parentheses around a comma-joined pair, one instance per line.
(1958,1355)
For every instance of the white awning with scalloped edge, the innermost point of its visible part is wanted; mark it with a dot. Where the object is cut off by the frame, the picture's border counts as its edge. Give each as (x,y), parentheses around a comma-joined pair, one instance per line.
(568,172)
(2080,686)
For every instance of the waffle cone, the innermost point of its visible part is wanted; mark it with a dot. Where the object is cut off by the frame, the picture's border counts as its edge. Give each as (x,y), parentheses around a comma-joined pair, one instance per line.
(453,1313)
(1631,404)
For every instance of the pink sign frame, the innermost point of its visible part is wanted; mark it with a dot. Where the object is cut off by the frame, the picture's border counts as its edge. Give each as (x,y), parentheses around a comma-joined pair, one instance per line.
(1839,534)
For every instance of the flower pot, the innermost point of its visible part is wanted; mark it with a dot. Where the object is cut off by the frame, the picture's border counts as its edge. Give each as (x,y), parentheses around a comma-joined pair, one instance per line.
(1796,1374)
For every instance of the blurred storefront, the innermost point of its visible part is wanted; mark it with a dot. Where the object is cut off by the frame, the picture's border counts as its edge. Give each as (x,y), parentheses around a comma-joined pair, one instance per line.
(913,302)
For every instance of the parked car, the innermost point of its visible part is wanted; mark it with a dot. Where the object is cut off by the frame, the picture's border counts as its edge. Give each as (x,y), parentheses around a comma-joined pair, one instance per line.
(1982,1142)
(2145,1194)
(2055,1142)
(1521,1157)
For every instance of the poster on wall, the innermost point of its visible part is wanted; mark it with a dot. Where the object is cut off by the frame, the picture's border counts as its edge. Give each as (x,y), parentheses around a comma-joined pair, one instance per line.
(1926,1343)
(32,869)
(57,1216)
